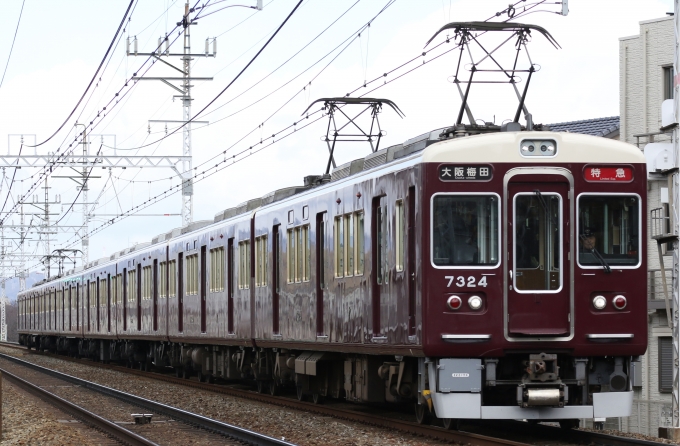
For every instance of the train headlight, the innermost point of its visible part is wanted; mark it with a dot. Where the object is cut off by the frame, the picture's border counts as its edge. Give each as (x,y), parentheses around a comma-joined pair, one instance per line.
(538,147)
(475,302)
(619,302)
(599,302)
(454,302)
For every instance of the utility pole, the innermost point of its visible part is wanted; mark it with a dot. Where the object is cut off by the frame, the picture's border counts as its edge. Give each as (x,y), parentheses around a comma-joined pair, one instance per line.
(186,57)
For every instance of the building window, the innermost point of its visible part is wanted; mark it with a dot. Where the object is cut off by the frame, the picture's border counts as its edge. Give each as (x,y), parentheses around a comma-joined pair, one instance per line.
(192,275)
(668,89)
(665,364)
(217,268)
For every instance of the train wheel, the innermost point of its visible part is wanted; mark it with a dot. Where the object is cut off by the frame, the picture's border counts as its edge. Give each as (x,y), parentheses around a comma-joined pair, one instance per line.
(317,398)
(300,394)
(569,424)
(273,388)
(451,424)
(261,386)
(422,414)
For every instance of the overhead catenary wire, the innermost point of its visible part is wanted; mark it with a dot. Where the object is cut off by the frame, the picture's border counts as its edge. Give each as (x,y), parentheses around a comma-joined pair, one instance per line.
(14,39)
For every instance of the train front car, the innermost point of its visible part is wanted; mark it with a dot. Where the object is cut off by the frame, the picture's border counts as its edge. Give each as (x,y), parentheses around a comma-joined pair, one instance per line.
(534,276)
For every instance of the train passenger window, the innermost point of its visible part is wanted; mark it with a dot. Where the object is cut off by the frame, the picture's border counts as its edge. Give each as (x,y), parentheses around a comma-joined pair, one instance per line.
(291,256)
(609,230)
(131,285)
(380,245)
(299,255)
(163,280)
(261,261)
(465,230)
(172,278)
(339,247)
(359,243)
(399,235)
(147,282)
(217,268)
(103,293)
(538,236)
(349,244)
(192,275)
(244,265)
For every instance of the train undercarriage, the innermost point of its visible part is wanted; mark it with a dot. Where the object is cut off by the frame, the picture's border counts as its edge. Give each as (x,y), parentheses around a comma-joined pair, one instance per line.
(538,386)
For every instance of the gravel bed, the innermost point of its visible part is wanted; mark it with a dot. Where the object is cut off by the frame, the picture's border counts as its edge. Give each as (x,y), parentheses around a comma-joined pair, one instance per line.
(632,435)
(295,426)
(161,430)
(27,420)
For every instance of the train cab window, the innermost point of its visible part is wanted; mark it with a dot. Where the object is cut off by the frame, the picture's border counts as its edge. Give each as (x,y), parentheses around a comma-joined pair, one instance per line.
(537,239)
(465,230)
(608,230)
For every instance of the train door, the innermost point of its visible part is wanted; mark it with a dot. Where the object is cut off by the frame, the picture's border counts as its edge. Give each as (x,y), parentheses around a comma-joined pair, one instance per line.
(180,292)
(154,286)
(539,293)
(230,286)
(380,280)
(320,270)
(276,269)
(203,288)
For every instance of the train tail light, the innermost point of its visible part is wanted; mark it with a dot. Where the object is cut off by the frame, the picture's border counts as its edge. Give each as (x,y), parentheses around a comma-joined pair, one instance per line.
(475,302)
(619,302)
(454,302)
(599,302)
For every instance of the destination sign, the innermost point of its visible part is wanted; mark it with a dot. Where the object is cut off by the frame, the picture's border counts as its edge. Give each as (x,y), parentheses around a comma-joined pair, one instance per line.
(608,173)
(465,172)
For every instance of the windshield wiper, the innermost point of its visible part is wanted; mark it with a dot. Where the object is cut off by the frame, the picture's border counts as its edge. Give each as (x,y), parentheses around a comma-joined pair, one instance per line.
(597,255)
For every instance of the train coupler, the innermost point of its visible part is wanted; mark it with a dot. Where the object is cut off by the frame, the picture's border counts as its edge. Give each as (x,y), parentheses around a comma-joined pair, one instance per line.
(540,395)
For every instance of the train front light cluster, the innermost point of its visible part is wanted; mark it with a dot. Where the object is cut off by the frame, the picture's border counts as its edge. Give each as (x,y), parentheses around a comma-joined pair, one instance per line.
(599,302)
(619,302)
(538,147)
(456,303)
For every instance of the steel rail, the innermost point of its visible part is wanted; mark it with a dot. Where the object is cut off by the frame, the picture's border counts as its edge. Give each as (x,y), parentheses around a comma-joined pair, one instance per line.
(578,436)
(346,414)
(228,430)
(107,427)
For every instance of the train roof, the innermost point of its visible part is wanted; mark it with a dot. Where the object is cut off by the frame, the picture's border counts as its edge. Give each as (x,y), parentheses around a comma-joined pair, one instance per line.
(431,147)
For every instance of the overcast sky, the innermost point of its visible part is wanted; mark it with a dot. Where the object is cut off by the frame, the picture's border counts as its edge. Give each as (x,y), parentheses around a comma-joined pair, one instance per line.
(60,44)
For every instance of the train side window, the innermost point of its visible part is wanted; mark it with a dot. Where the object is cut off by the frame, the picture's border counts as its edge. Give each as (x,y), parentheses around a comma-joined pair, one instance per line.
(399,235)
(291,256)
(244,265)
(261,261)
(163,280)
(380,242)
(359,243)
(172,278)
(192,275)
(217,268)
(103,293)
(339,246)
(146,283)
(609,227)
(349,244)
(465,230)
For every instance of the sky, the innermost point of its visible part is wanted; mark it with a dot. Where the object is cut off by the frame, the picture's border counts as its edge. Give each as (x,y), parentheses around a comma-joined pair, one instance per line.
(318,53)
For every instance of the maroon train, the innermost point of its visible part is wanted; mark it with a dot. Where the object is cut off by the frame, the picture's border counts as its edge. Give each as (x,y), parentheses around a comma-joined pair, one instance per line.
(494,276)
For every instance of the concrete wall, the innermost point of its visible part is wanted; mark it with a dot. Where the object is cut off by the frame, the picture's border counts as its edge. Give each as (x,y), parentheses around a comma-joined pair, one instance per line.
(641,62)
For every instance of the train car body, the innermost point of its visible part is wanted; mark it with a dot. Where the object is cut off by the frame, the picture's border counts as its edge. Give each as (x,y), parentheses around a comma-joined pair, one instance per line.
(495,276)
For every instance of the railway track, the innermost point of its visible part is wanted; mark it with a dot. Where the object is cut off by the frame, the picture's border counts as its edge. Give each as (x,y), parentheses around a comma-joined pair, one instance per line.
(209,427)
(524,430)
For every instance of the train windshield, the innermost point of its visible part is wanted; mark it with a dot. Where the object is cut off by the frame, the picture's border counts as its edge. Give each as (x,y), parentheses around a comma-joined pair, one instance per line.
(465,230)
(608,226)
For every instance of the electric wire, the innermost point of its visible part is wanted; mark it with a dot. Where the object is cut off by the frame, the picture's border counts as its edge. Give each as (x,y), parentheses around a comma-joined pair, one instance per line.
(14,39)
